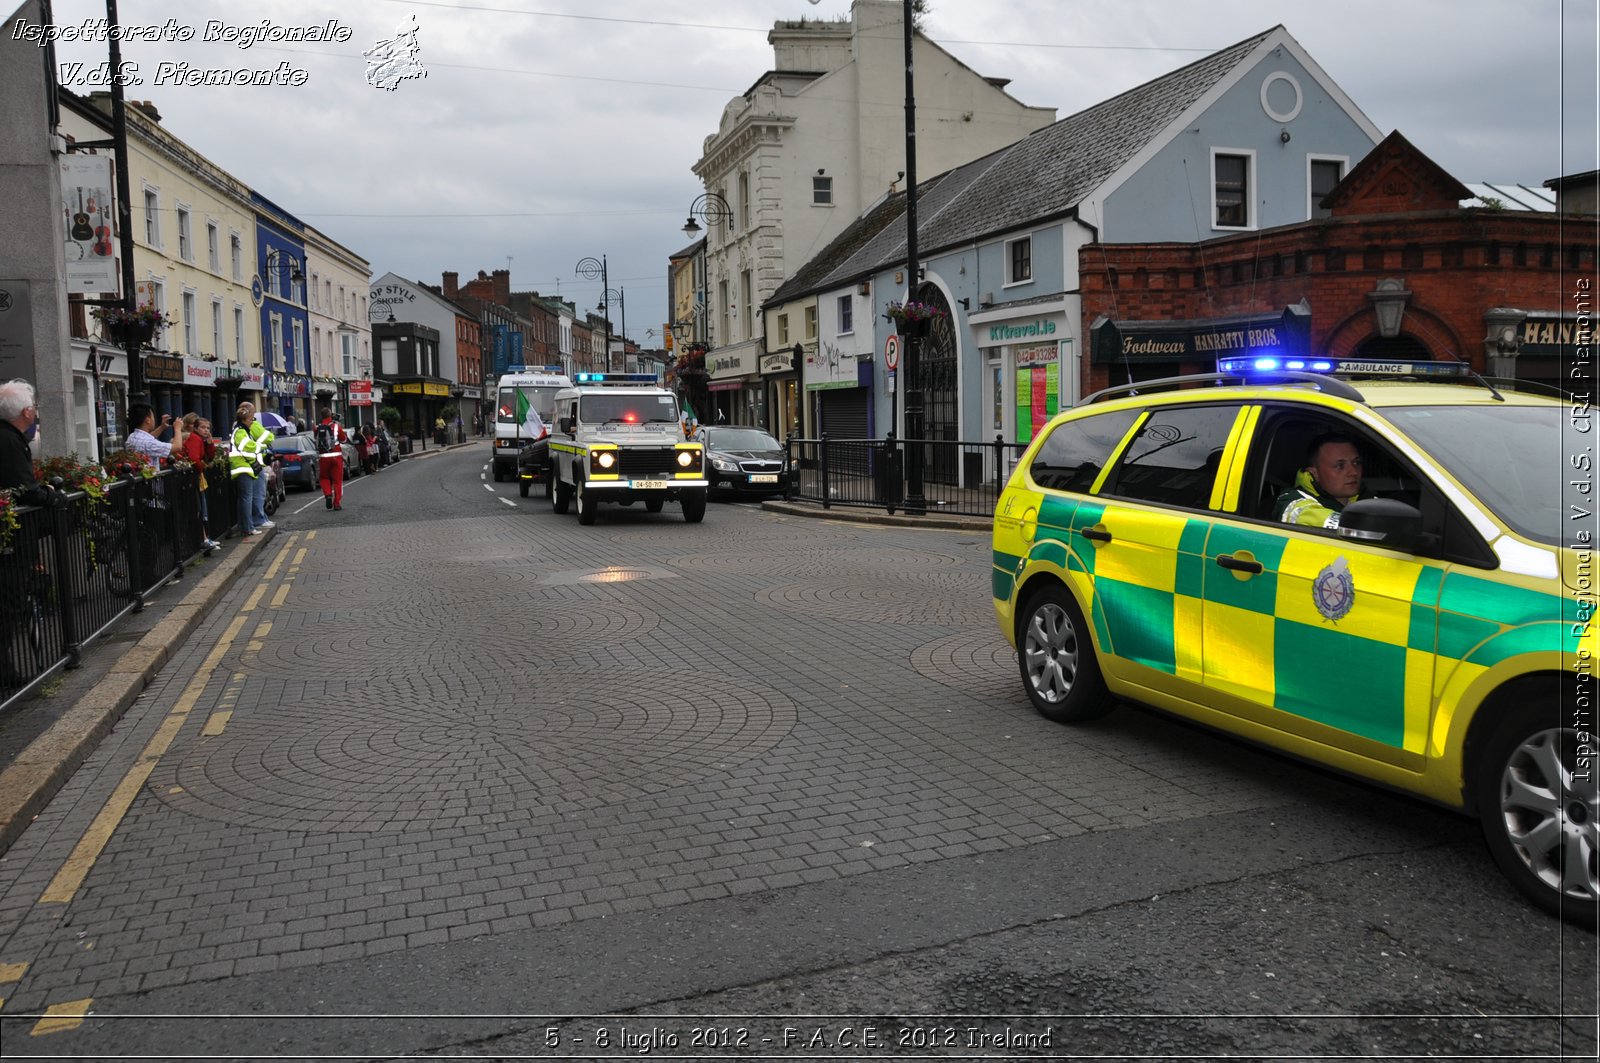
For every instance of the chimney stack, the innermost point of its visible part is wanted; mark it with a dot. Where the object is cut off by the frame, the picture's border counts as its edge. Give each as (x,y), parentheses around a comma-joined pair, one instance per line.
(450,280)
(502,287)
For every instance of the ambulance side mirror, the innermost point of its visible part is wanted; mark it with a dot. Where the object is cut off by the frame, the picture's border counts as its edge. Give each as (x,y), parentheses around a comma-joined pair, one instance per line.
(1382,522)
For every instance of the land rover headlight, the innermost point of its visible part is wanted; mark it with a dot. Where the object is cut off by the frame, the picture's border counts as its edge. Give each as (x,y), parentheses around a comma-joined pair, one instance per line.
(605,459)
(686,459)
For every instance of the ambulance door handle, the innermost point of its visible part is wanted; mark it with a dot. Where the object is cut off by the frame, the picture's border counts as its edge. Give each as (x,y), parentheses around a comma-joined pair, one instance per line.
(1239,564)
(1097,534)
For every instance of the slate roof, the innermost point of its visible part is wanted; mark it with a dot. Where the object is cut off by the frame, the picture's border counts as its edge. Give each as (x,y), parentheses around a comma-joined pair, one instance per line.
(823,264)
(1044,175)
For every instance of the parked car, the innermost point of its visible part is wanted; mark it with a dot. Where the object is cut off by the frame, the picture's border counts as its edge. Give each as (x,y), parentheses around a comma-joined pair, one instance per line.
(298,456)
(277,490)
(352,460)
(746,461)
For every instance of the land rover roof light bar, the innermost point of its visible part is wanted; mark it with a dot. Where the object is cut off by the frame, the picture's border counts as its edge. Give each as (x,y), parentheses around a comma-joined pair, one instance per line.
(614,378)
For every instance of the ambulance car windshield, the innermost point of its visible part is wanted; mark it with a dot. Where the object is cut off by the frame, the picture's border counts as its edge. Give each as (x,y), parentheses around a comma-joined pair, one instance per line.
(1497,452)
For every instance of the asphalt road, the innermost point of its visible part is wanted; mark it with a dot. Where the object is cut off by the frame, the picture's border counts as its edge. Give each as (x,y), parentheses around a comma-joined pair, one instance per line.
(448,774)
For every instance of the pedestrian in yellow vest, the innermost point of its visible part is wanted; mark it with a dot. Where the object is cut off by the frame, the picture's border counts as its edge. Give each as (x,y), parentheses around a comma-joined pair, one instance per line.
(252,446)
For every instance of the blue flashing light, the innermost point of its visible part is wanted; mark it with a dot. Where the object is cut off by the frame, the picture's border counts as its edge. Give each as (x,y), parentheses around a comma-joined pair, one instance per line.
(1266,364)
(1321,367)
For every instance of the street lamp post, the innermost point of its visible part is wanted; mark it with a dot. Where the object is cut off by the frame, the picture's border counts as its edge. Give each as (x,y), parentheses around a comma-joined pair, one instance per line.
(915,503)
(605,309)
(589,269)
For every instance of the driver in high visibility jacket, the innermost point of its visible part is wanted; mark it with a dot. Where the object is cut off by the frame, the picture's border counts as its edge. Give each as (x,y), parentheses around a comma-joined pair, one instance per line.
(1330,481)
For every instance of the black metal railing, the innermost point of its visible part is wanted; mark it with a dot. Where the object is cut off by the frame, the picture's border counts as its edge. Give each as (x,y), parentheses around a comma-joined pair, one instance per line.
(959,478)
(74,566)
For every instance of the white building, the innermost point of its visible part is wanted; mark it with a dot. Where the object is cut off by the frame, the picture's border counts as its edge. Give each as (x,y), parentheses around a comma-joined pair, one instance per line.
(336,303)
(813,143)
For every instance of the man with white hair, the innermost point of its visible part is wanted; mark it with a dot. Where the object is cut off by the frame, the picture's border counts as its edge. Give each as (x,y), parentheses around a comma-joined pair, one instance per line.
(19,423)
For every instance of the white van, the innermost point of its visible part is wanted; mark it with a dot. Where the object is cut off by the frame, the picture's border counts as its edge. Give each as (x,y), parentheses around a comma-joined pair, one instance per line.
(524,408)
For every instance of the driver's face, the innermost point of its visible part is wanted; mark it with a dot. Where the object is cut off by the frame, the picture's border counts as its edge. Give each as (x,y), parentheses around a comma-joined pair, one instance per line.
(1337,469)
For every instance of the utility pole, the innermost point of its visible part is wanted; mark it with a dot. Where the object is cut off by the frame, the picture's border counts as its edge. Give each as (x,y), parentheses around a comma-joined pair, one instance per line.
(913,383)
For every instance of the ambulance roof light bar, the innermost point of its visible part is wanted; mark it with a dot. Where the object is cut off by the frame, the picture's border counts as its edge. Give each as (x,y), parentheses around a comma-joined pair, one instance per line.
(1270,365)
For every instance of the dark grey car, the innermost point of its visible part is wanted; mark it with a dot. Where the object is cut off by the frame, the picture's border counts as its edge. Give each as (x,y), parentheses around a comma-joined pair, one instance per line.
(745,461)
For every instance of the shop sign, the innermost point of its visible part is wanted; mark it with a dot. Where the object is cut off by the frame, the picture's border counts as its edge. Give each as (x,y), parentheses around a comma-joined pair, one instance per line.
(772,364)
(423,388)
(113,361)
(1004,333)
(198,374)
(408,389)
(163,369)
(472,393)
(1554,335)
(359,392)
(729,363)
(1203,340)
(254,379)
(440,390)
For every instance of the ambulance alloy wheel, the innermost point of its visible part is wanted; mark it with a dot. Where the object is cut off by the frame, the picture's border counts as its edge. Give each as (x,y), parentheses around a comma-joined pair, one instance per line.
(1057,661)
(586,504)
(561,498)
(1540,807)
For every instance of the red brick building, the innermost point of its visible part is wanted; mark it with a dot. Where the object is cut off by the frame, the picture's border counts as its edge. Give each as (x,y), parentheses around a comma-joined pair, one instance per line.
(1398,269)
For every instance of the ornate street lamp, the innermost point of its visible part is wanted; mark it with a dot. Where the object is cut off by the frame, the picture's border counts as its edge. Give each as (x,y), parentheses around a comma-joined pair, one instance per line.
(714,211)
(589,269)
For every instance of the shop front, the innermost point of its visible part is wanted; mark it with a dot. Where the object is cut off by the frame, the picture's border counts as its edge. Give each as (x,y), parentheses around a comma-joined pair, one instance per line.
(780,385)
(420,401)
(99,397)
(737,396)
(1551,347)
(163,378)
(1031,370)
(1127,352)
(839,386)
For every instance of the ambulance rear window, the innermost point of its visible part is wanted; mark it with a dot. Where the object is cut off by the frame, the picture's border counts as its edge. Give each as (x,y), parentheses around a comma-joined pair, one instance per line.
(1071,457)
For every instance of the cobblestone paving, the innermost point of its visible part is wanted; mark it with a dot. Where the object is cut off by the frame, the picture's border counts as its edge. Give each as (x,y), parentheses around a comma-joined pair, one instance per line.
(452,719)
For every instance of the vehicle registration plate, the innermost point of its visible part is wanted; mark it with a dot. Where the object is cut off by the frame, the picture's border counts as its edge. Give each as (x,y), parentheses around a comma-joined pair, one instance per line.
(763,477)
(649,485)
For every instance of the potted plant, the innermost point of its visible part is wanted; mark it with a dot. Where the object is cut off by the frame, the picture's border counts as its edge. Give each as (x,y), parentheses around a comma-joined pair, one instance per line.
(912,318)
(122,324)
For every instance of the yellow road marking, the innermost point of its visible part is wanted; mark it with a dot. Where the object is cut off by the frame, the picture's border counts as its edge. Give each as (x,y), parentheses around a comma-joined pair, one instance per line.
(281,594)
(12,972)
(65,885)
(310,536)
(69,879)
(277,562)
(300,557)
(64,1016)
(255,597)
(216,723)
(263,630)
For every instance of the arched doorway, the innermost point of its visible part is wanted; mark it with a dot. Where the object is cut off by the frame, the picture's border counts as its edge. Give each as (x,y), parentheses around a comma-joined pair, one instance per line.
(1401,348)
(939,374)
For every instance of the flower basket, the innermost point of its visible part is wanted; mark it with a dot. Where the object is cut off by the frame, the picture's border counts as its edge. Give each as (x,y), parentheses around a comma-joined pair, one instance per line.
(912,318)
(126,326)
(124,332)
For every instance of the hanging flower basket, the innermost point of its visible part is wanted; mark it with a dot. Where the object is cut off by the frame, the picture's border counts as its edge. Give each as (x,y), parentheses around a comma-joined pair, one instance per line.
(125,326)
(912,318)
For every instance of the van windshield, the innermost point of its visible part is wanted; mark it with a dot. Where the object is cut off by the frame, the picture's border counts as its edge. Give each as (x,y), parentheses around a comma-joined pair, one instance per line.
(516,402)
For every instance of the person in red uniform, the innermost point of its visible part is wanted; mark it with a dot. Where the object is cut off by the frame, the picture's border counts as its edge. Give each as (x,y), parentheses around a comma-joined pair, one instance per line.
(330,459)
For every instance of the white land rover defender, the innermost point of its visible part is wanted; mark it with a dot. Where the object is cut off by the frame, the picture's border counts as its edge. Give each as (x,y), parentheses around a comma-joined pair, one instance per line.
(618,439)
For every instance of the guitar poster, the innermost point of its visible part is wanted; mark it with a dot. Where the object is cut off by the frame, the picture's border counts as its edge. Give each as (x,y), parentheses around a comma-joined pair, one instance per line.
(90,224)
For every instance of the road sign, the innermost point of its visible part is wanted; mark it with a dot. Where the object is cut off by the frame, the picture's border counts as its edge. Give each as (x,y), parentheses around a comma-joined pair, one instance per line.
(891,351)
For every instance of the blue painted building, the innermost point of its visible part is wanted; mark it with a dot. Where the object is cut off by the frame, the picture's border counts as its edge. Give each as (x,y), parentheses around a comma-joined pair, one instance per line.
(279,292)
(1247,138)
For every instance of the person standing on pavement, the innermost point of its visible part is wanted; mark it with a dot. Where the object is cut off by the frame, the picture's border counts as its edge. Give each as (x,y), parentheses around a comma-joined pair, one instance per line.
(247,466)
(199,448)
(19,424)
(330,459)
(144,437)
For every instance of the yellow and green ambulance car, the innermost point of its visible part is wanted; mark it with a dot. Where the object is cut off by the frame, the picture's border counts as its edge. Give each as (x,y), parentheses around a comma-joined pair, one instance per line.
(1424,624)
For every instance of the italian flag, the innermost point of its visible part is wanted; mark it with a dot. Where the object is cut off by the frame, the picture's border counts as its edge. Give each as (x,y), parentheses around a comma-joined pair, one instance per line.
(529,417)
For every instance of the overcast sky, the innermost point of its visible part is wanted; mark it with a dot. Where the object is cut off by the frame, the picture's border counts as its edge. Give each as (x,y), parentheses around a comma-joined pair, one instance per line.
(547,131)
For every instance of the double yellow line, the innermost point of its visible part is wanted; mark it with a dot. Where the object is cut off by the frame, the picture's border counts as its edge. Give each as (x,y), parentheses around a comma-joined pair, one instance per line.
(70,876)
